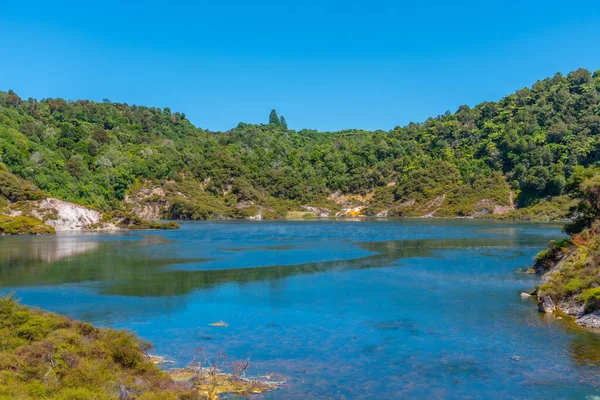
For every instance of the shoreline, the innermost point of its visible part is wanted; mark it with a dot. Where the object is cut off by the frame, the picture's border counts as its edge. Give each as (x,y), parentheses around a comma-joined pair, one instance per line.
(569,271)
(57,356)
(162,224)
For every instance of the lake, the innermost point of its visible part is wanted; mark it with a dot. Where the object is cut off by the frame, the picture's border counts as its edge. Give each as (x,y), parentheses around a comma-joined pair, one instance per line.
(343,309)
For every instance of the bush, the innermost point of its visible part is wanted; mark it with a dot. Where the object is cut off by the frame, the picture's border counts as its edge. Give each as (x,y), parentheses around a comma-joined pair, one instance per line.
(127,220)
(16,189)
(44,355)
(591,298)
(22,225)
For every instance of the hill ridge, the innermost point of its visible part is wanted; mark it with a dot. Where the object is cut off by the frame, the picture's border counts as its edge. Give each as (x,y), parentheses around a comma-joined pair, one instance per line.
(537,143)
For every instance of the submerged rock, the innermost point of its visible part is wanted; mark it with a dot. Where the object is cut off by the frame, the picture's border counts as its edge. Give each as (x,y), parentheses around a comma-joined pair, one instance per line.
(160,360)
(212,382)
(546,305)
(525,295)
(529,271)
(572,307)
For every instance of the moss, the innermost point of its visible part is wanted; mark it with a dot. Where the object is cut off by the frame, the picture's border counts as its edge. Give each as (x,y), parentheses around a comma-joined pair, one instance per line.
(22,225)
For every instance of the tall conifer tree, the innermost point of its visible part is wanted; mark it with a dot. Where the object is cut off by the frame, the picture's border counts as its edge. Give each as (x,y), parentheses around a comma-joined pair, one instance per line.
(273,118)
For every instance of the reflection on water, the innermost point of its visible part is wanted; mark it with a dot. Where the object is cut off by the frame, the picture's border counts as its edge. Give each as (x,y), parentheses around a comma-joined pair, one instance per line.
(398,309)
(41,249)
(130,270)
(124,265)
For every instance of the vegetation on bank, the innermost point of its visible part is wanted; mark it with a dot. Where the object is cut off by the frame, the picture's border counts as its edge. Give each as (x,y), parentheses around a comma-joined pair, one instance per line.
(127,220)
(21,214)
(47,356)
(23,225)
(14,189)
(555,208)
(524,148)
(573,265)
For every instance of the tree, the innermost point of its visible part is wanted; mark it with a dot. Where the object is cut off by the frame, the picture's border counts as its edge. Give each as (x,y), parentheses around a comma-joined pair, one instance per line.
(536,180)
(273,118)
(543,140)
(588,209)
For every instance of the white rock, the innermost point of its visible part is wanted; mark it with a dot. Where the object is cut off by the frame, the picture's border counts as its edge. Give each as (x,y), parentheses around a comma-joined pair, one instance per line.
(591,320)
(546,305)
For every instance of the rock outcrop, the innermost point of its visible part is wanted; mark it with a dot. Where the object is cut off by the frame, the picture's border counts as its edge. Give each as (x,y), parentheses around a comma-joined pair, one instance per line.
(546,305)
(590,320)
(150,203)
(61,215)
(570,270)
(65,216)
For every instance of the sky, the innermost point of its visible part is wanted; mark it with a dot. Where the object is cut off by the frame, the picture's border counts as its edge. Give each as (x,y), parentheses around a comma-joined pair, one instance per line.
(325,65)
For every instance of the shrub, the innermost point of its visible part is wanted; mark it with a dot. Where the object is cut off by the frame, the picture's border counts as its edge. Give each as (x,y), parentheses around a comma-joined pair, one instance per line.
(22,225)
(16,189)
(44,355)
(591,298)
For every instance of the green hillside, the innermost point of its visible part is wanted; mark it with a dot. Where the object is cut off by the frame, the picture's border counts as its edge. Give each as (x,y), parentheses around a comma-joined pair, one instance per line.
(531,148)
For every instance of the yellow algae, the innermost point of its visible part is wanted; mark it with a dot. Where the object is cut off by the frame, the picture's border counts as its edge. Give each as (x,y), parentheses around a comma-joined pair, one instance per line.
(181,375)
(212,382)
(159,359)
(355,212)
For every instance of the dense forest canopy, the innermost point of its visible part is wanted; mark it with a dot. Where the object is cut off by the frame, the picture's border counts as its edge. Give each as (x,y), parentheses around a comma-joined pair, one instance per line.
(538,143)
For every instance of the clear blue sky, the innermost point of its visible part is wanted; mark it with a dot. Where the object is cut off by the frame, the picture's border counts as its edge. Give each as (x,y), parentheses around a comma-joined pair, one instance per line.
(323,64)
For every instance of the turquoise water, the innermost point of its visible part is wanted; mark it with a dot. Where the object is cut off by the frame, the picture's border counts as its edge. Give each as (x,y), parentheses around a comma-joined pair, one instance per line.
(342,309)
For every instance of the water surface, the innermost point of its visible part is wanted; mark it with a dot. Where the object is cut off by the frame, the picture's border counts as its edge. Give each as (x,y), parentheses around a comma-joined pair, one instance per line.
(343,309)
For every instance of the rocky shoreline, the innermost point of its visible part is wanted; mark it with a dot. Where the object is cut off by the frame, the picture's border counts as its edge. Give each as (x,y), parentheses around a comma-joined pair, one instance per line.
(62,358)
(572,309)
(55,215)
(570,271)
(577,312)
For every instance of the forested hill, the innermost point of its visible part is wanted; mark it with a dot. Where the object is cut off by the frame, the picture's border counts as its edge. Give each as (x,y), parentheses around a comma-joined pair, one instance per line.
(529,151)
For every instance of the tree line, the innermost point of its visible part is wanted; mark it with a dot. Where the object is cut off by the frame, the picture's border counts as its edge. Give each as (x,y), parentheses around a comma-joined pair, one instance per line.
(537,143)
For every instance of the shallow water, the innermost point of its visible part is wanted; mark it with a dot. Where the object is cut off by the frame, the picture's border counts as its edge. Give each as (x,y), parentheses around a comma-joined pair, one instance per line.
(343,309)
